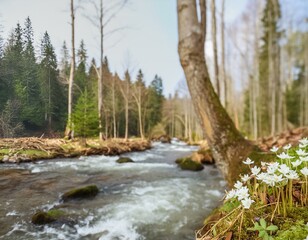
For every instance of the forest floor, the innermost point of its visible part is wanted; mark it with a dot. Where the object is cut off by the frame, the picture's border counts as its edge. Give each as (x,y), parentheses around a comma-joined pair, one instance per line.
(17,150)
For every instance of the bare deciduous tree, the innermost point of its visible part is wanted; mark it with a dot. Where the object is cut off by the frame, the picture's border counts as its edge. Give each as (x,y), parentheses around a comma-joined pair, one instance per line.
(68,131)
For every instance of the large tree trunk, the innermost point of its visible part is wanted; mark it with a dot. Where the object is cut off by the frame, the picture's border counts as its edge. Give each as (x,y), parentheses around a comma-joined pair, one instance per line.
(68,131)
(228,146)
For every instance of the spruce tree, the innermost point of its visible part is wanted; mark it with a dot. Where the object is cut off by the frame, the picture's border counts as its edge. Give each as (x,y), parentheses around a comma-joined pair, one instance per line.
(85,114)
(155,103)
(81,74)
(32,107)
(51,89)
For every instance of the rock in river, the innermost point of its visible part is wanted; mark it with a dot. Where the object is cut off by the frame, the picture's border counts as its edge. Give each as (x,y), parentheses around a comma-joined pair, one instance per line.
(188,164)
(81,193)
(124,160)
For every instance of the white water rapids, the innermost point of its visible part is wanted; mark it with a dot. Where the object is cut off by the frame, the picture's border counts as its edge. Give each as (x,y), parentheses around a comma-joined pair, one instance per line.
(150,199)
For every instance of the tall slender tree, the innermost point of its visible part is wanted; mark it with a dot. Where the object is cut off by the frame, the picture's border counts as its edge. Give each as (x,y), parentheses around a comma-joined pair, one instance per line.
(138,93)
(68,130)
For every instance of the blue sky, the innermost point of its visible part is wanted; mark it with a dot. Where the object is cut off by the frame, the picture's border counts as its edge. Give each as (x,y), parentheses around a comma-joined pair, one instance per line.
(149,39)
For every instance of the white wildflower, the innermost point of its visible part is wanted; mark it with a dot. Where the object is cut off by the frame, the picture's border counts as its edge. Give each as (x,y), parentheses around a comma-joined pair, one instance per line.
(304,159)
(292,175)
(284,156)
(302,145)
(246,202)
(255,170)
(242,193)
(263,164)
(304,171)
(301,152)
(245,178)
(230,194)
(248,161)
(272,167)
(277,178)
(304,142)
(284,169)
(262,176)
(296,163)
(287,147)
(274,149)
(238,185)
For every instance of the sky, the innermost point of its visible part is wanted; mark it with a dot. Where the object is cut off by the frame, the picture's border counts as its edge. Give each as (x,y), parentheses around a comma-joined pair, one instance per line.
(147,41)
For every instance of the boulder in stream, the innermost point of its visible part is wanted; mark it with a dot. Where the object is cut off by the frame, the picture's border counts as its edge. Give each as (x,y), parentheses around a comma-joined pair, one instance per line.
(42,217)
(80,193)
(188,164)
(203,156)
(124,160)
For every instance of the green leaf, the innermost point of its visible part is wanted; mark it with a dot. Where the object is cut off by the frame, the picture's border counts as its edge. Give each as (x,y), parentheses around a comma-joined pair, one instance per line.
(272,228)
(262,233)
(263,223)
(259,228)
(214,232)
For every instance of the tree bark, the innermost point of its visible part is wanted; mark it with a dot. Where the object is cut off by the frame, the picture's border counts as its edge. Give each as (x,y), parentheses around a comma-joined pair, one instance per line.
(228,145)
(214,40)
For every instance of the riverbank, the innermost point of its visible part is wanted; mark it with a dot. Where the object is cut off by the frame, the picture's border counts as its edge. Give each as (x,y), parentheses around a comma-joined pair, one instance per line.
(18,150)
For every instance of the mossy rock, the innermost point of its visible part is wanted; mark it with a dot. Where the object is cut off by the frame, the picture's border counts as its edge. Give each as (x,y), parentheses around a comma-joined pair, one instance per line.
(124,160)
(41,217)
(188,164)
(179,160)
(80,193)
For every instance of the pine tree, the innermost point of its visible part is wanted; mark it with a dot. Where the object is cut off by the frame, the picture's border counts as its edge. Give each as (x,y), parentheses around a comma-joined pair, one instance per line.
(30,98)
(155,103)
(51,90)
(12,66)
(85,114)
(81,74)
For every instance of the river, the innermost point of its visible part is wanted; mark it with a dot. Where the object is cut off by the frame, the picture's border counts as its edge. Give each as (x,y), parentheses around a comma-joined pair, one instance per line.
(150,199)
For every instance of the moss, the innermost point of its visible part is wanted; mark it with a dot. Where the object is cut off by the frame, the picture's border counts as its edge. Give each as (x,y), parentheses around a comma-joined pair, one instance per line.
(229,206)
(4,151)
(180,160)
(188,164)
(298,230)
(81,193)
(33,153)
(124,160)
(55,213)
(42,218)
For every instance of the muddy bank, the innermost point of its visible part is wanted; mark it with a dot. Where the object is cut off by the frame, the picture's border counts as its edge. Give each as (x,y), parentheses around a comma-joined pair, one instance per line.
(18,150)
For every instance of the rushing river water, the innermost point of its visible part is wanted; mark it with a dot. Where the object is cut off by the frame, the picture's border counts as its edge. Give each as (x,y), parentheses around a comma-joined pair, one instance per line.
(150,199)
